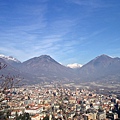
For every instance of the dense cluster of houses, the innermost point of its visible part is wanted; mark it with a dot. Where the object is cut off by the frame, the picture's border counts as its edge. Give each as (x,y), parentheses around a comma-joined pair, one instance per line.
(60,102)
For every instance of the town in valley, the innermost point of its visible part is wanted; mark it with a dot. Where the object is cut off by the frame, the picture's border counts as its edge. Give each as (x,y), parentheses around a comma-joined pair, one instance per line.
(63,101)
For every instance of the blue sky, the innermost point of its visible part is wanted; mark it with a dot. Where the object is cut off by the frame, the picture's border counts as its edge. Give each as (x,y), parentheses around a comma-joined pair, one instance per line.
(70,31)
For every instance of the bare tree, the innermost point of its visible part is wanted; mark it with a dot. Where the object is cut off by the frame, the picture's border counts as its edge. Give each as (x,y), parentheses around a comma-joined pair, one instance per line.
(2,65)
(7,83)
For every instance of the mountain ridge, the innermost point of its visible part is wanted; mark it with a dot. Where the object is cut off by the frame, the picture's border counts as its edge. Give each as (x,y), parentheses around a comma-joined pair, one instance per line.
(9,58)
(45,68)
(99,68)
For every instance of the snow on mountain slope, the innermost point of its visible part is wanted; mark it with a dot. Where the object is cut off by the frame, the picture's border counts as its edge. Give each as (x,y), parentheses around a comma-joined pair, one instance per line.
(74,65)
(9,58)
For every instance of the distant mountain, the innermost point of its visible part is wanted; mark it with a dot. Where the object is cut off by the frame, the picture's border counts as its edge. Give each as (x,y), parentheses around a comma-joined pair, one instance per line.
(46,68)
(8,69)
(101,68)
(11,70)
(74,65)
(10,60)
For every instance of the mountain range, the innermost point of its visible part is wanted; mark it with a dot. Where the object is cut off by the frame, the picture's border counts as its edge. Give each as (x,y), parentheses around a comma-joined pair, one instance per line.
(102,68)
(44,68)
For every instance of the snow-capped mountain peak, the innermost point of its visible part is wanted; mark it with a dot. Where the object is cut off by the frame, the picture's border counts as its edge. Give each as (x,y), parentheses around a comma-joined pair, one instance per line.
(9,58)
(74,65)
